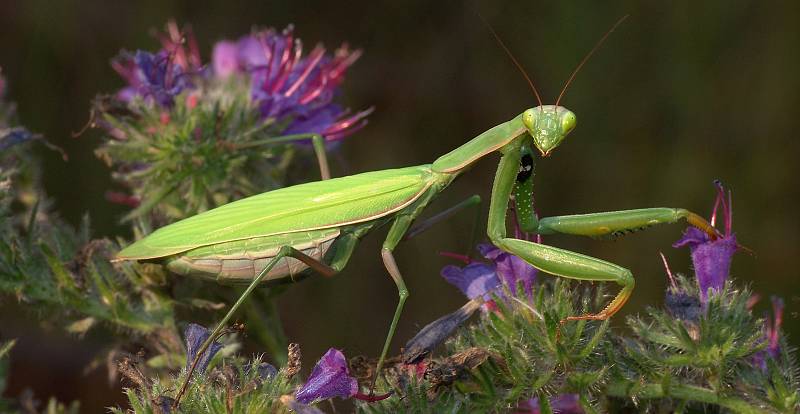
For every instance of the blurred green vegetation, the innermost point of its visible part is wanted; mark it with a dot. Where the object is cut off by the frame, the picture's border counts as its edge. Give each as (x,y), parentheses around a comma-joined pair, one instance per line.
(681,94)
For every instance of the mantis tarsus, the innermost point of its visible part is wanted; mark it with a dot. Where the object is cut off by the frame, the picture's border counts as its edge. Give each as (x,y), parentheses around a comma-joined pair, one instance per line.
(286,232)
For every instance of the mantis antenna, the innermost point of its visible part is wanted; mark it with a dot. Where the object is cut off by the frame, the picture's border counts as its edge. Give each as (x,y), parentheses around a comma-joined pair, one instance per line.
(588,55)
(513,59)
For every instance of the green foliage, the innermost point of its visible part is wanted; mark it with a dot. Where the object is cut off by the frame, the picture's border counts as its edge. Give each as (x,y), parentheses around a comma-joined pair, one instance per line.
(233,387)
(663,364)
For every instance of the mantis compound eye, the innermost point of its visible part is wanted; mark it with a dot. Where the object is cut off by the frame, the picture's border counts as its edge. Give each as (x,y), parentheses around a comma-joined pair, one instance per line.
(529,119)
(568,122)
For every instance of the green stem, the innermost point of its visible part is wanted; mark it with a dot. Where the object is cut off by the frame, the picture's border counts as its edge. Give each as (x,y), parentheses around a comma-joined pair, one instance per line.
(682,392)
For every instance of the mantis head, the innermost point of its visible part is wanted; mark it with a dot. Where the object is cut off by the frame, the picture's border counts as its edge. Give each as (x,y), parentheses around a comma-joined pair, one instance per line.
(548,125)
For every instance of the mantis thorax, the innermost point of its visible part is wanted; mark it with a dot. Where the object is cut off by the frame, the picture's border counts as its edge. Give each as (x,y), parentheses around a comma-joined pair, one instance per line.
(548,125)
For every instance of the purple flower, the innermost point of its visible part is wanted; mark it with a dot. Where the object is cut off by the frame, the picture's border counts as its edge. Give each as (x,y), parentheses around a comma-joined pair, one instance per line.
(712,258)
(561,404)
(475,279)
(480,279)
(224,59)
(195,336)
(774,328)
(511,269)
(772,331)
(155,77)
(329,378)
(13,136)
(182,45)
(2,85)
(295,89)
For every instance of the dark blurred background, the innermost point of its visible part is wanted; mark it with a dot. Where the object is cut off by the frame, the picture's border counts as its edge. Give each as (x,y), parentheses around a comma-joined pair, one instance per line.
(681,94)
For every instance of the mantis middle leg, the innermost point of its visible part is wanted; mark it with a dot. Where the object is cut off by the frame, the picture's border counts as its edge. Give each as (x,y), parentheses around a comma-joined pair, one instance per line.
(337,263)
(317,141)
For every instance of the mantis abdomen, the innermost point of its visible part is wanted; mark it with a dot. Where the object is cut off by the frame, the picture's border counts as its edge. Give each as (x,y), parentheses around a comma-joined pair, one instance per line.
(240,261)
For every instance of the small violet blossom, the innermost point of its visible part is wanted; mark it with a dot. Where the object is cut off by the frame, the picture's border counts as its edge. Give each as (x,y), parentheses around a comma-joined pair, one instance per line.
(482,279)
(772,332)
(160,76)
(331,378)
(195,336)
(2,85)
(156,77)
(712,258)
(289,87)
(561,404)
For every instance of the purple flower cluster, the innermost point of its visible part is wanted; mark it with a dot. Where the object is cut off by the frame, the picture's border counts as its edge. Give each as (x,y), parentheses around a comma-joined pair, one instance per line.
(296,91)
(712,258)
(288,86)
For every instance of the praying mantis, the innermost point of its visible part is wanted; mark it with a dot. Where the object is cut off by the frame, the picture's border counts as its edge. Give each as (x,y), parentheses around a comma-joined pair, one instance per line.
(283,235)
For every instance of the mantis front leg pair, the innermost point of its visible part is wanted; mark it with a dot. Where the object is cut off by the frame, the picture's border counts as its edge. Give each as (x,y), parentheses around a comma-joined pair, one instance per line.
(564,263)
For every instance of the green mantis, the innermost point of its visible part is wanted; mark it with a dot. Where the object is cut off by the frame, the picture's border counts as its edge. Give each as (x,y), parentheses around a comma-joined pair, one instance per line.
(287,233)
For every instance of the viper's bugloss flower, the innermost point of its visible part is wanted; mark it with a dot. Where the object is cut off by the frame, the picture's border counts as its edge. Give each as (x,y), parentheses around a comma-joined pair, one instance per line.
(712,258)
(225,59)
(774,328)
(512,270)
(480,279)
(156,77)
(195,335)
(196,137)
(294,89)
(329,378)
(772,334)
(474,280)
(560,404)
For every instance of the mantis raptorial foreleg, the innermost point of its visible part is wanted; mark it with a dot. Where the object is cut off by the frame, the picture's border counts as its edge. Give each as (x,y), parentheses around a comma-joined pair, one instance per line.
(549,259)
(568,264)
(317,141)
(564,263)
(618,222)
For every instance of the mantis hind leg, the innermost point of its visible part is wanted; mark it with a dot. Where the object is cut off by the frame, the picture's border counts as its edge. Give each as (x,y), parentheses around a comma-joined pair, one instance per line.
(338,262)
(564,263)
(317,141)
